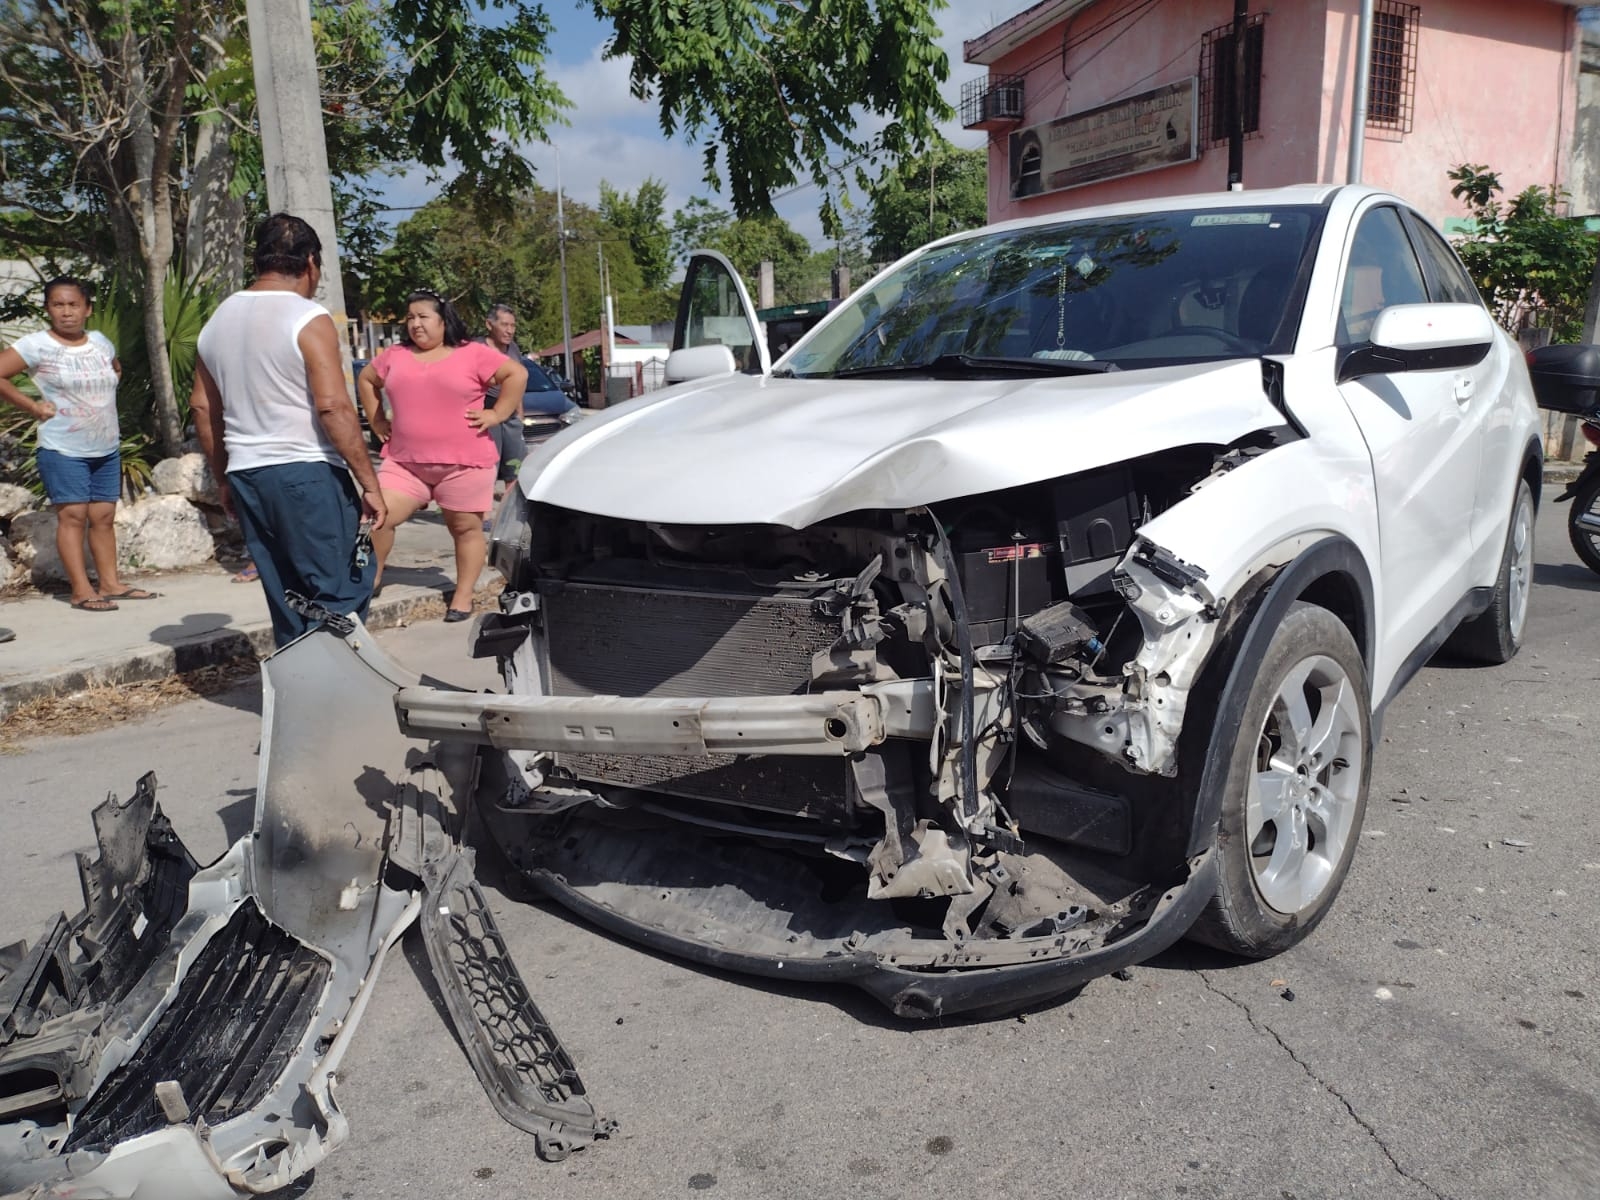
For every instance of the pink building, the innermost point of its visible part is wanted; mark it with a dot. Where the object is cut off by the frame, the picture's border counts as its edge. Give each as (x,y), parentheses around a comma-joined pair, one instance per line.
(1094,101)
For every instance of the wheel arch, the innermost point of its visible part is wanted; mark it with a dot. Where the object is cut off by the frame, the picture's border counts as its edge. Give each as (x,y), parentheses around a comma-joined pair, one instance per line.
(1532,472)
(1332,574)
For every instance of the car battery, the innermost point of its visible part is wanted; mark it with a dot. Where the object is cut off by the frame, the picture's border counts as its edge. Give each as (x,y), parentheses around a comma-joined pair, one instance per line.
(1002,584)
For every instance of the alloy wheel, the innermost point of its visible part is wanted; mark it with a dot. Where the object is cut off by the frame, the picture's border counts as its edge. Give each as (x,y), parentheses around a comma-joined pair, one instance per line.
(1304,794)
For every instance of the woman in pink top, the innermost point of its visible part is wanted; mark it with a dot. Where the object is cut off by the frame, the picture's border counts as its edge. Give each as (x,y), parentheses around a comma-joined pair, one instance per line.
(436,443)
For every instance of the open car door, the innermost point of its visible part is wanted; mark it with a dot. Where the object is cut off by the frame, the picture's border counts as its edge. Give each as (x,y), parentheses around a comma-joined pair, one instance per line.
(717,331)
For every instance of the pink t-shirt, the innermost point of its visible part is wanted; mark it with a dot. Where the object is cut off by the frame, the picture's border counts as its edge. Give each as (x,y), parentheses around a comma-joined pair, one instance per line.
(430,402)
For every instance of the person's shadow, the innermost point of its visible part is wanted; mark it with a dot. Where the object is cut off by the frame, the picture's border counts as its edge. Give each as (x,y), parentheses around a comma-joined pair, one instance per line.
(196,647)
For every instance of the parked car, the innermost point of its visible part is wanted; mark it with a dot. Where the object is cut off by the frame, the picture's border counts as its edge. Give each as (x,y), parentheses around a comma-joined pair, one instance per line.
(546,408)
(572,389)
(1038,608)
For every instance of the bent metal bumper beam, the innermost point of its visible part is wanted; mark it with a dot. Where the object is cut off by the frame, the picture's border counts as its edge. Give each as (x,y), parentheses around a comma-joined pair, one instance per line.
(826,724)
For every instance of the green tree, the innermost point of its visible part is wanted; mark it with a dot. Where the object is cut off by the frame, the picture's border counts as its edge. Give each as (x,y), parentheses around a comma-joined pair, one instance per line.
(640,217)
(776,87)
(1532,265)
(900,219)
(748,242)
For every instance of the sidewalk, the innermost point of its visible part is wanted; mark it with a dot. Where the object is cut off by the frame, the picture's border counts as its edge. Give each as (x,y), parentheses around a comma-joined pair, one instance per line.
(200,618)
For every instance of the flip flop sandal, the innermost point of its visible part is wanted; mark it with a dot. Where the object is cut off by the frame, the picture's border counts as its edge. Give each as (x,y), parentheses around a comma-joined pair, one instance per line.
(130,594)
(94,604)
(247,574)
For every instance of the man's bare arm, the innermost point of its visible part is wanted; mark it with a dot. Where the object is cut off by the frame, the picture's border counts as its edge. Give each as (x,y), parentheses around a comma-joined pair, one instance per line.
(319,344)
(205,405)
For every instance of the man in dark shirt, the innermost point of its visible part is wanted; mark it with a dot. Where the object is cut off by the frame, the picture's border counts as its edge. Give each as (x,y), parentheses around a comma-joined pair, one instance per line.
(501,324)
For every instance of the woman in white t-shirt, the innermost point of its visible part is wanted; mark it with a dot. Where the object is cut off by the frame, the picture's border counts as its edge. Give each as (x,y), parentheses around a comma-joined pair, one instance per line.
(76,372)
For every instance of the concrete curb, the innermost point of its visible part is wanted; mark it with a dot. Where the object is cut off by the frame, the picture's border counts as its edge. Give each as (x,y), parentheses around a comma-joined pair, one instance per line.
(394,607)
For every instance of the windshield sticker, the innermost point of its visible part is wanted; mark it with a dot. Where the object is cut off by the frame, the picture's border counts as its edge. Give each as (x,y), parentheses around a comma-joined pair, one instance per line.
(1084,266)
(1231,218)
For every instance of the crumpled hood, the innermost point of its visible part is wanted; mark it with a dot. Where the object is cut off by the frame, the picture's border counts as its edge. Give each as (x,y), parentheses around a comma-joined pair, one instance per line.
(744,450)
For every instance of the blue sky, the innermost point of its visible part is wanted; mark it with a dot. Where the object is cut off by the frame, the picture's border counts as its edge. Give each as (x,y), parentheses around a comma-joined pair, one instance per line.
(614,137)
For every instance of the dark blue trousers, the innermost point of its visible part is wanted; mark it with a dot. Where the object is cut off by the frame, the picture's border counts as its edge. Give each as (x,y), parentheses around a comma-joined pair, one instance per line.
(300,522)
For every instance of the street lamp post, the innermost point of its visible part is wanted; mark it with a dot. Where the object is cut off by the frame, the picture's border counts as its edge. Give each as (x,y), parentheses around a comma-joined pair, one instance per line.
(561,247)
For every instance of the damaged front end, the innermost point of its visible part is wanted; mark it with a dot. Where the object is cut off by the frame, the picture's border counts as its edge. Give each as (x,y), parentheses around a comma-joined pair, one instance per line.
(181,1036)
(934,752)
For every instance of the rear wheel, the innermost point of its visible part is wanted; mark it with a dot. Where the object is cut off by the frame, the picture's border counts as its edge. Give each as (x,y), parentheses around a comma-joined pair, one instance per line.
(1586,536)
(1296,789)
(1495,635)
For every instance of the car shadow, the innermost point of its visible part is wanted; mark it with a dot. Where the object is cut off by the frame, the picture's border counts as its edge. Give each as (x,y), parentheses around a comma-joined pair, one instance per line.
(1566,575)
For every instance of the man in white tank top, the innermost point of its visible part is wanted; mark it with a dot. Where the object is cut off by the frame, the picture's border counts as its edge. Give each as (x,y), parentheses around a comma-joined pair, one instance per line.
(280,432)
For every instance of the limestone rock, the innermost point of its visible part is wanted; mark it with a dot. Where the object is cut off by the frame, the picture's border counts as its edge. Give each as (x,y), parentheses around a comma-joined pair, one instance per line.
(188,476)
(15,501)
(33,539)
(162,532)
(9,566)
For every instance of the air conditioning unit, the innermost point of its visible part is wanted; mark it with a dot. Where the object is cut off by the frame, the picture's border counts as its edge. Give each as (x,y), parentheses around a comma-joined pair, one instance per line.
(1003,103)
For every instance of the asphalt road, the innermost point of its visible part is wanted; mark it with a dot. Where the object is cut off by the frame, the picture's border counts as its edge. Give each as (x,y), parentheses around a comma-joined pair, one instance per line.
(1443,1039)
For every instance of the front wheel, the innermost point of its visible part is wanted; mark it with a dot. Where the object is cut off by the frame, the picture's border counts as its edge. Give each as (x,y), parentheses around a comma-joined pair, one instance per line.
(1495,635)
(1583,523)
(1296,789)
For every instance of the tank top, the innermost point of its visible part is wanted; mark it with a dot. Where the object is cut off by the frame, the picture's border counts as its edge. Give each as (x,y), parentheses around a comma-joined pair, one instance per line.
(250,345)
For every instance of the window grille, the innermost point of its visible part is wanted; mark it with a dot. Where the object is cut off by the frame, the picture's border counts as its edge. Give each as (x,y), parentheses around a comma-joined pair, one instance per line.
(1216,80)
(1392,85)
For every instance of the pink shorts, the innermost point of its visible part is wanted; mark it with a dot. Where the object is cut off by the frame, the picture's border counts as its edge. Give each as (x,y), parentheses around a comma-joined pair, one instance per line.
(460,489)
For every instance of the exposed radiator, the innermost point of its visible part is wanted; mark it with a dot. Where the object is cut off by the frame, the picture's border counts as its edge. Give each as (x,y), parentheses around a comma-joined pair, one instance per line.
(619,641)
(616,641)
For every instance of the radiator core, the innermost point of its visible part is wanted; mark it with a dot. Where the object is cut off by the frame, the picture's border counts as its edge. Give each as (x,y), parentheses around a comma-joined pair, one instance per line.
(603,640)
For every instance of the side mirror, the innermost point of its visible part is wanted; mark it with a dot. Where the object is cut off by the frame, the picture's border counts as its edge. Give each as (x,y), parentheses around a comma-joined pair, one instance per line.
(1421,337)
(698,362)
(1566,378)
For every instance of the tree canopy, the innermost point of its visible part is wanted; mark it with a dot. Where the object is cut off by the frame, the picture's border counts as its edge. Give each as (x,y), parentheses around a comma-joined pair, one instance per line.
(900,218)
(773,88)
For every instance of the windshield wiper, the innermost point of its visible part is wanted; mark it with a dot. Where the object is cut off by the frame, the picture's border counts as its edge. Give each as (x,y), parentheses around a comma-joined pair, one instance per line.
(967,366)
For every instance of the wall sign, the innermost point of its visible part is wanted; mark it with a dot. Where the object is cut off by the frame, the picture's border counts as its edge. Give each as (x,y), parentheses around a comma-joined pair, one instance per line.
(1146,132)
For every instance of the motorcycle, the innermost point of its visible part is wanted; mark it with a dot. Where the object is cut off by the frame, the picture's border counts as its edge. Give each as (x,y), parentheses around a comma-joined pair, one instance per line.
(1583,522)
(1566,379)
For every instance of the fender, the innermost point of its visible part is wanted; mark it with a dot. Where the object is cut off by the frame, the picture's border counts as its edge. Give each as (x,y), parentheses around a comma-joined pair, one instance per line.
(1245,646)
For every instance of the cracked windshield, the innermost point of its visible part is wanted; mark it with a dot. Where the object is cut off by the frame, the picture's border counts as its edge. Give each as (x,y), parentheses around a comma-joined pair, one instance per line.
(1109,294)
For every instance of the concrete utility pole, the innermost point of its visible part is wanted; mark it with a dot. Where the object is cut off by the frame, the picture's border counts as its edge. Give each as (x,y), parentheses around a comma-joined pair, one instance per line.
(1358,102)
(294,148)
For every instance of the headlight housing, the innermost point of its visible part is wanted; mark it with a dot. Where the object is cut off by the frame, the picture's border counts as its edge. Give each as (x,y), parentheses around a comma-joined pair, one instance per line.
(510,535)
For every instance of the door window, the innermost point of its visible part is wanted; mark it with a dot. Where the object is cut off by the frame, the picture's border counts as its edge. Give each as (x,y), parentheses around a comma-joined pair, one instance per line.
(1383,271)
(1451,283)
(712,311)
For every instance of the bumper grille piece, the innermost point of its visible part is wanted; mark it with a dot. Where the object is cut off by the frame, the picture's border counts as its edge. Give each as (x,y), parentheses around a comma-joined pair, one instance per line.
(226,1037)
(617,641)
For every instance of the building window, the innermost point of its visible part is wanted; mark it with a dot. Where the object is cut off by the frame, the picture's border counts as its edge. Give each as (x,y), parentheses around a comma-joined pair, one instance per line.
(1392,85)
(1216,80)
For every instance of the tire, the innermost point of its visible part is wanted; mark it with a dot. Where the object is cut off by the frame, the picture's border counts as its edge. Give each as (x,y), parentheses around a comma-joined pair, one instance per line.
(1495,635)
(1586,545)
(1271,892)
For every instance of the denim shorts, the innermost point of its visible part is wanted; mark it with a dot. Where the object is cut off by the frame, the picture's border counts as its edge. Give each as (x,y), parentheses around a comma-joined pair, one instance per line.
(69,480)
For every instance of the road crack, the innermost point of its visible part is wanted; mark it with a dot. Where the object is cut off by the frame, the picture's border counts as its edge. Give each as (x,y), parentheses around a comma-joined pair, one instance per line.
(1366,1125)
